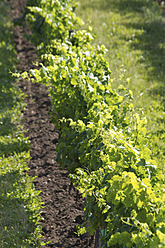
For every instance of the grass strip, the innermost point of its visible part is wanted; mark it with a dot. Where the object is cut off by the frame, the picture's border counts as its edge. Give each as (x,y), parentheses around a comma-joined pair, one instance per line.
(20,204)
(134,34)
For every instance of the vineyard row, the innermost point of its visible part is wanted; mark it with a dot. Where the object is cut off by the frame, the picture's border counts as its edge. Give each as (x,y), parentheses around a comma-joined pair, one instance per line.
(103,141)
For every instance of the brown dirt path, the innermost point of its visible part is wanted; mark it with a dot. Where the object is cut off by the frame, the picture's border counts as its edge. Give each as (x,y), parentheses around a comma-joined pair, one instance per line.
(61,213)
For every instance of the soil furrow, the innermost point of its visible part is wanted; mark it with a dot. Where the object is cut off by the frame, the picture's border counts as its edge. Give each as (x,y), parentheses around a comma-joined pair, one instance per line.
(61,213)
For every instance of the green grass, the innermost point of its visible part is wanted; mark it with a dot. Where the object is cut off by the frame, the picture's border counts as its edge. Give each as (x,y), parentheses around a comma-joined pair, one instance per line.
(20,204)
(133,31)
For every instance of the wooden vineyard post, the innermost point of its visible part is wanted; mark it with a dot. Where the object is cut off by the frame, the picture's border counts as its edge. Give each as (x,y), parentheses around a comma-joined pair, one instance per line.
(97,238)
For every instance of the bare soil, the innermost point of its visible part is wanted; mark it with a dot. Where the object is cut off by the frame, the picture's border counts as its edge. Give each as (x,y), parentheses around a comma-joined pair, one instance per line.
(62,212)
